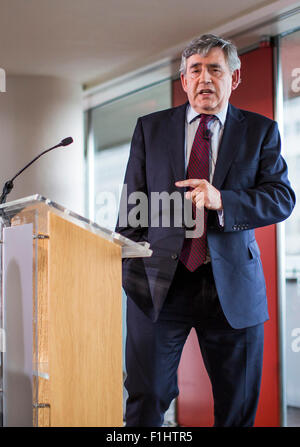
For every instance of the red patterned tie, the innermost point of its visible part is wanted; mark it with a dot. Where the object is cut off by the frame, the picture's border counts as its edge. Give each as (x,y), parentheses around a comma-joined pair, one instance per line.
(194,250)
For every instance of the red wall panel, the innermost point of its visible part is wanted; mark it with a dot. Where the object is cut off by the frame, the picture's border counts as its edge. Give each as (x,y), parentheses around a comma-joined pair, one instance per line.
(195,403)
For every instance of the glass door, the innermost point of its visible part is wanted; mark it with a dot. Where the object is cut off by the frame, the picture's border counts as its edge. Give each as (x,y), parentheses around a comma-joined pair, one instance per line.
(109,128)
(290,71)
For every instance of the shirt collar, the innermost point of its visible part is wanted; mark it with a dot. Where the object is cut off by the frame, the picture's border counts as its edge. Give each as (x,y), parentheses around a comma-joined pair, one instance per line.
(191,114)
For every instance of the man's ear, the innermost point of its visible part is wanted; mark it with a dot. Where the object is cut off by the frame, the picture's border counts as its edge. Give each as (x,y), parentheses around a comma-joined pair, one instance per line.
(236,78)
(183,82)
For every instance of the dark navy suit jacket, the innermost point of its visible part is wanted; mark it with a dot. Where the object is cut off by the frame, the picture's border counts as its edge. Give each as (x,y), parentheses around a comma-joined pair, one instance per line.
(252,178)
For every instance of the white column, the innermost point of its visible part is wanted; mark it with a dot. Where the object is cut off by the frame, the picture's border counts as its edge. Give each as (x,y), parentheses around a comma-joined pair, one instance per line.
(37,112)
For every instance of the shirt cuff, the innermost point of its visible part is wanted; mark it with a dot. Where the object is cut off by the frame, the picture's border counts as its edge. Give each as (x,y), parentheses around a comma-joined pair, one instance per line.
(221,217)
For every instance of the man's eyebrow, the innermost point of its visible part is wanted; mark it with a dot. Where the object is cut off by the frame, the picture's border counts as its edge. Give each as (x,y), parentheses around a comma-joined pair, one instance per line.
(215,65)
(197,64)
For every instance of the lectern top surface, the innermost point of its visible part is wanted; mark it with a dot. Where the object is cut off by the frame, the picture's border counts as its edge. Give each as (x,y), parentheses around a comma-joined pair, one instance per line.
(42,205)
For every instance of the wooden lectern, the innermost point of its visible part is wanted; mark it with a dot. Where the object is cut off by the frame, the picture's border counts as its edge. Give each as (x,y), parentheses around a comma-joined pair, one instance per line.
(61,317)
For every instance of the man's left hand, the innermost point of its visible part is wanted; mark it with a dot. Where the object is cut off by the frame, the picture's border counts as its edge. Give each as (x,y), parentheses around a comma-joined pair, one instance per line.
(202,194)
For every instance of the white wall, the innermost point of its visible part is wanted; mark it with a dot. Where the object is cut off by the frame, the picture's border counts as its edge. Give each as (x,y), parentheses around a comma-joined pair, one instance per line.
(37,112)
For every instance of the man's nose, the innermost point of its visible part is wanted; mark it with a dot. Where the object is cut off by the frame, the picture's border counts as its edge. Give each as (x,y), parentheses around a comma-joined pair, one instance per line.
(205,76)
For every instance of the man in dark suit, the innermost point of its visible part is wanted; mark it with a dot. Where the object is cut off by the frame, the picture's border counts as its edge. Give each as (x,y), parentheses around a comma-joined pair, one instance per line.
(227,162)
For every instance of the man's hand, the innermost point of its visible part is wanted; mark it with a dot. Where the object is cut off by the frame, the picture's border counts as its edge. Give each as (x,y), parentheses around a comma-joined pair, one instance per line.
(203,194)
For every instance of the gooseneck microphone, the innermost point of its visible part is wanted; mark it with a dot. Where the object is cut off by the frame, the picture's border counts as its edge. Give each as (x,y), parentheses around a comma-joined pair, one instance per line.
(9,184)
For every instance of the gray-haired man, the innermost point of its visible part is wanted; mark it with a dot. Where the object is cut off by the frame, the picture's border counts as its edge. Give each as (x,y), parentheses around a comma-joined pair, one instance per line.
(230,162)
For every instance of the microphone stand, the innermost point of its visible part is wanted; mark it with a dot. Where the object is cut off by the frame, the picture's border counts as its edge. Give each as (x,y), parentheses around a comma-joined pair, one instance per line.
(8,186)
(6,190)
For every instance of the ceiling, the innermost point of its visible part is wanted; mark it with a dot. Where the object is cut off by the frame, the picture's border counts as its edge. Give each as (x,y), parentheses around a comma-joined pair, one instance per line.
(93,41)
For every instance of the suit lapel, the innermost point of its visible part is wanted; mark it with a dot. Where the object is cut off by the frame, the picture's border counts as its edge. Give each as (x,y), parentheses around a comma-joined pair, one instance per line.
(232,136)
(176,141)
(231,142)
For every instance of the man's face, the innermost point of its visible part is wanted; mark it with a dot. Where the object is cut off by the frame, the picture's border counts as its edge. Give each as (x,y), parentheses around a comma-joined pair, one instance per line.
(208,81)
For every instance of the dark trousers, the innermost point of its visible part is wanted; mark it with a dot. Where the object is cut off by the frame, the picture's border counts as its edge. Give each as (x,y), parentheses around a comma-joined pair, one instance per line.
(232,357)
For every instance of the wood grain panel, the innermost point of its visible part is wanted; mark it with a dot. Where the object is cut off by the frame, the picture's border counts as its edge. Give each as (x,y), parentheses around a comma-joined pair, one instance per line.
(85,327)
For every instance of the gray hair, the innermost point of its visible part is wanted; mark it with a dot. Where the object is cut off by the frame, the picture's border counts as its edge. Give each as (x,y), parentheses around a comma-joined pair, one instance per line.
(203,44)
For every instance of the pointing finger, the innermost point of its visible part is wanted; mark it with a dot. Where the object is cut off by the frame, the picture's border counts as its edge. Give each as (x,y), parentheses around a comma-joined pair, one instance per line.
(192,182)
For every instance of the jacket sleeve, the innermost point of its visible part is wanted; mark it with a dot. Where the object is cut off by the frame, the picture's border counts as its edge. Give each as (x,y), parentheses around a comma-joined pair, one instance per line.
(271,200)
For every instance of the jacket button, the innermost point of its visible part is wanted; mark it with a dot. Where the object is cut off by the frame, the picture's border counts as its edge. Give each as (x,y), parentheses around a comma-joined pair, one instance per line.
(174,256)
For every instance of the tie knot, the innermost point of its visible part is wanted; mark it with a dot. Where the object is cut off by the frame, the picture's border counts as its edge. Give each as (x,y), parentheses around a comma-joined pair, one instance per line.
(205,119)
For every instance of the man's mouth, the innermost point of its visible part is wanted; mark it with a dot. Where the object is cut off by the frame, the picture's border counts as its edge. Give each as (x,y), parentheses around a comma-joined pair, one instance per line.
(206,91)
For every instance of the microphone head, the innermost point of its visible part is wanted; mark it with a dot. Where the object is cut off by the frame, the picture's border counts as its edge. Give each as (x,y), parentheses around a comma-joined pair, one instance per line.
(66,141)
